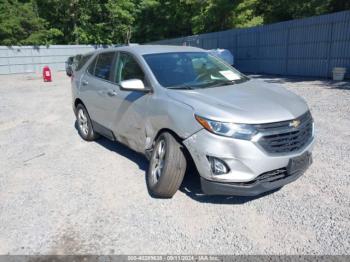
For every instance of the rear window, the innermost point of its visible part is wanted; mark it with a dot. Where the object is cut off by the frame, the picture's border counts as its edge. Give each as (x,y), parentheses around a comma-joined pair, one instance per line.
(70,60)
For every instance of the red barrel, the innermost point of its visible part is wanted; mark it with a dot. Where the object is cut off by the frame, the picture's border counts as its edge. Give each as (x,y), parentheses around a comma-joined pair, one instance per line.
(47,74)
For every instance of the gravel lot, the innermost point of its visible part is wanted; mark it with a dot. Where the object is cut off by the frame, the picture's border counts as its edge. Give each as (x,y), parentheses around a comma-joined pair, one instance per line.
(61,195)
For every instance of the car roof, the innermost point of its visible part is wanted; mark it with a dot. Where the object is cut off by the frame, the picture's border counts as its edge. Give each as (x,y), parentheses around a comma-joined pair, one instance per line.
(152,49)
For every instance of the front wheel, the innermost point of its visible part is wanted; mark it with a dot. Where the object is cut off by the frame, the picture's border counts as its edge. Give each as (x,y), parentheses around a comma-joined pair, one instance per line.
(167,167)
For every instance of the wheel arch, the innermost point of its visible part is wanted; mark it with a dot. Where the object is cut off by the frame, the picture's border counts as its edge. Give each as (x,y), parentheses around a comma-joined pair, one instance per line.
(191,169)
(149,149)
(78,101)
(172,132)
(177,137)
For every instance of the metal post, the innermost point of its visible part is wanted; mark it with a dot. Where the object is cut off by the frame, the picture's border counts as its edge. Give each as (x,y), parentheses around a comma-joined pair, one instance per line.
(287,51)
(330,42)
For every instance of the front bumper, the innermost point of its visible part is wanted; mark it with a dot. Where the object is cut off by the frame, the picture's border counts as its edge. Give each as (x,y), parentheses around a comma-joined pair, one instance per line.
(247,163)
(256,187)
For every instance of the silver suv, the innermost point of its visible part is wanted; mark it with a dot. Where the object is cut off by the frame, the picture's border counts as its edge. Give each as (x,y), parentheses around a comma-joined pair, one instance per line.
(175,103)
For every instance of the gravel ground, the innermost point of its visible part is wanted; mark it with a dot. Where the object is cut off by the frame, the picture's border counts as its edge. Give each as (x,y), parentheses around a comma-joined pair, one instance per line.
(61,195)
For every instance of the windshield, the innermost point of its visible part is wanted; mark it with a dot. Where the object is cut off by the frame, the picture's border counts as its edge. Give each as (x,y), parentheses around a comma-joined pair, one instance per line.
(189,70)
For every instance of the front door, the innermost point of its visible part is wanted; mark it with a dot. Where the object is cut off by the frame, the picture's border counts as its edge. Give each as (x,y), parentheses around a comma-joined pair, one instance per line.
(127,112)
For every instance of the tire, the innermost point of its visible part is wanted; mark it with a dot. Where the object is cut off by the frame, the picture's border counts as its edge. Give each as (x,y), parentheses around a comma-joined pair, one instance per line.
(84,124)
(167,168)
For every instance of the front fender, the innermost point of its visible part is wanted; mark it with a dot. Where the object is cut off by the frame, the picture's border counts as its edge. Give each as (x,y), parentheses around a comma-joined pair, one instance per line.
(173,115)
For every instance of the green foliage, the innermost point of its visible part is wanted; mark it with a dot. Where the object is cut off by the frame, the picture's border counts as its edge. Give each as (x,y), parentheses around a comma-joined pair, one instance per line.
(275,11)
(159,19)
(34,22)
(216,15)
(213,15)
(337,5)
(245,14)
(89,21)
(104,22)
(20,25)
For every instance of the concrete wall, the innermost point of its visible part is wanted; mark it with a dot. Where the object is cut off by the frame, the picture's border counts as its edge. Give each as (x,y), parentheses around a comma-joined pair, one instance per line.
(31,59)
(303,47)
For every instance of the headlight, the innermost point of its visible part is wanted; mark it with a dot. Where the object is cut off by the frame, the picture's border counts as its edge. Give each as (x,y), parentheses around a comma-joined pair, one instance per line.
(239,131)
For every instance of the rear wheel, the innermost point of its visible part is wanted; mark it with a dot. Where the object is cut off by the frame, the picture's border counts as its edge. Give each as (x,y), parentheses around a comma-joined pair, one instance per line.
(85,128)
(167,167)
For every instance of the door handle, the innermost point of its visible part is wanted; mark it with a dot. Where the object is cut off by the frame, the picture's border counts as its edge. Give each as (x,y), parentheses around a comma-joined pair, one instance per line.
(112,93)
(84,83)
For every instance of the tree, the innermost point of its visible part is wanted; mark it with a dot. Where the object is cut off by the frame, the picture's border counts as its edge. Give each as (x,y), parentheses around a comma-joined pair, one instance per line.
(338,5)
(245,14)
(218,15)
(159,19)
(276,11)
(111,21)
(213,15)
(89,21)
(21,25)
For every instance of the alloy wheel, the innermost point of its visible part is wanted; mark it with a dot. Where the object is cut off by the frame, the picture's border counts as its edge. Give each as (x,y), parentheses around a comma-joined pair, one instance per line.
(83,122)
(158,160)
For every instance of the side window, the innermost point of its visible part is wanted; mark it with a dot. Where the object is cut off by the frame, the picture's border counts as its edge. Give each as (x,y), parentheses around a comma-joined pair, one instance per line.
(127,68)
(91,68)
(104,65)
(80,61)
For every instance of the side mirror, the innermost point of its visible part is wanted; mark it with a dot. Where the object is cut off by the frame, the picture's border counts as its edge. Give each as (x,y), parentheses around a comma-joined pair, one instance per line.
(133,85)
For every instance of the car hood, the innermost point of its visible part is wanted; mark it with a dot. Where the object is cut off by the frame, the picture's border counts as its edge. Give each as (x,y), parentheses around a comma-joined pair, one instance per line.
(251,102)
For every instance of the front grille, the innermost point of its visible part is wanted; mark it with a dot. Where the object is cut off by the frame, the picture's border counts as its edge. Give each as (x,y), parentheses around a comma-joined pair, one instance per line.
(270,176)
(281,137)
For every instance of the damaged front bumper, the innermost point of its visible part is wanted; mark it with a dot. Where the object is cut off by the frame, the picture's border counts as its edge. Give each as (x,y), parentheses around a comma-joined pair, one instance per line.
(251,170)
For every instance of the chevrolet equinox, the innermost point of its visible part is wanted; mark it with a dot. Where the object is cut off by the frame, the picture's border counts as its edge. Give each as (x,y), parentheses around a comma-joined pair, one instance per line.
(245,136)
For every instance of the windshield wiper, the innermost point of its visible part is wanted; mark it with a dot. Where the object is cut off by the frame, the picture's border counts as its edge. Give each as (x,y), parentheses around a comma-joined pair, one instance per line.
(181,87)
(230,82)
(222,83)
(208,84)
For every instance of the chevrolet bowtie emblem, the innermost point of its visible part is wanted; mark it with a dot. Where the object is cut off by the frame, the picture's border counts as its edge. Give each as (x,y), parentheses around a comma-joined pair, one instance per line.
(294,123)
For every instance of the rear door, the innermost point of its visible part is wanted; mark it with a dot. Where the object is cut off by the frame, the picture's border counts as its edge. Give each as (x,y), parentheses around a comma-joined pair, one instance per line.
(96,85)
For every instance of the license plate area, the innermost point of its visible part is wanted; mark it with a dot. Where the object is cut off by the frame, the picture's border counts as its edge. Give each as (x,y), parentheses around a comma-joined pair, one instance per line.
(300,163)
